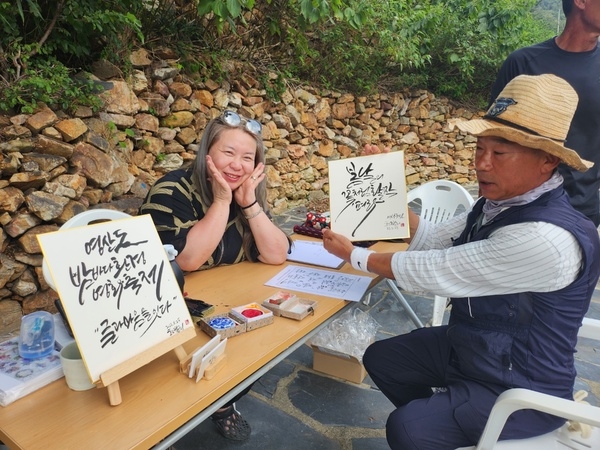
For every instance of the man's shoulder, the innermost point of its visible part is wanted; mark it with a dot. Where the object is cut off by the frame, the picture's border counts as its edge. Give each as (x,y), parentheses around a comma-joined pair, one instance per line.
(534,50)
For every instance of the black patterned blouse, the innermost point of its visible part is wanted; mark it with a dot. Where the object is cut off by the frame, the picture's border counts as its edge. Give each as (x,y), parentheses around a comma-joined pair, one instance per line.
(175,207)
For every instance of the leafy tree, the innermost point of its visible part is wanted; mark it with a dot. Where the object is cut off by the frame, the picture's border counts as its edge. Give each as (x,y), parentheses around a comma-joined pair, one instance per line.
(452,47)
(472,40)
(39,39)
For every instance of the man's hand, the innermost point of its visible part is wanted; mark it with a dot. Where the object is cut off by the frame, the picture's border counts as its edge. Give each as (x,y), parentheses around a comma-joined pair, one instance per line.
(337,244)
(372,149)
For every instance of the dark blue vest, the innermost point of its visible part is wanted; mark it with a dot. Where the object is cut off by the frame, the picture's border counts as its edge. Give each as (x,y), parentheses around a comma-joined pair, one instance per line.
(526,339)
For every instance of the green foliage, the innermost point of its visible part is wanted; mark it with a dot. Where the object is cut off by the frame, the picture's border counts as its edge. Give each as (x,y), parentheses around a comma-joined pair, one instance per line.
(70,30)
(310,12)
(452,47)
(471,41)
(48,81)
(549,14)
(166,24)
(43,41)
(274,84)
(374,40)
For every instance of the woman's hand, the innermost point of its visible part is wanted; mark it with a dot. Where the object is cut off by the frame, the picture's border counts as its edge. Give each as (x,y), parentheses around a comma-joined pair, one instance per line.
(245,194)
(221,190)
(337,244)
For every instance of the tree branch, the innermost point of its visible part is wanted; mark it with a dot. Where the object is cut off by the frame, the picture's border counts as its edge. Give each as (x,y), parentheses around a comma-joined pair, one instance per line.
(44,38)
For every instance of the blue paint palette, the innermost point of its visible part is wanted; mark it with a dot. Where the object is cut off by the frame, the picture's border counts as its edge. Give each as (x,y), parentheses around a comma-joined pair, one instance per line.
(224,325)
(221,323)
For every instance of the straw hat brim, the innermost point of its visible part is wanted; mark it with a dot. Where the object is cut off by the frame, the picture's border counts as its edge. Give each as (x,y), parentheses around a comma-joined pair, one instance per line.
(482,127)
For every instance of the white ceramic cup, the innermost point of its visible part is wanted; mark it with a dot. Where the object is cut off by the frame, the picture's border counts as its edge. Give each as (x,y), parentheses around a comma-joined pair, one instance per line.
(76,374)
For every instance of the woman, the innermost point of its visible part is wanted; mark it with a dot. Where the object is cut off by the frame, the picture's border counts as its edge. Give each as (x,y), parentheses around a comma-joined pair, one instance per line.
(216,213)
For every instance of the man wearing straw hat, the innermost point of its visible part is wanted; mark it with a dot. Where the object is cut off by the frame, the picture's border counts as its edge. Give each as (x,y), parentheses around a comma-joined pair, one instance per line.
(520,269)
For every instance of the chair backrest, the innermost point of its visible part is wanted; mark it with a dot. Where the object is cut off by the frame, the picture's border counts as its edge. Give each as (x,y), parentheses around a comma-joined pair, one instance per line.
(439,200)
(80,220)
(93,216)
(590,329)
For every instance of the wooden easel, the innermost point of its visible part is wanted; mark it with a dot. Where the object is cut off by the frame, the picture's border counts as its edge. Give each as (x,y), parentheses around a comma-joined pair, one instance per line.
(110,379)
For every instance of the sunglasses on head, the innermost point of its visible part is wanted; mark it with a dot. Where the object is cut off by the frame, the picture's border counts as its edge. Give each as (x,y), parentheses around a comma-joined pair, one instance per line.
(233,119)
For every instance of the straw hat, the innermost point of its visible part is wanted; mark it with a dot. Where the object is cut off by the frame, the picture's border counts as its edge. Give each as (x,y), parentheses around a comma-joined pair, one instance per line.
(536,112)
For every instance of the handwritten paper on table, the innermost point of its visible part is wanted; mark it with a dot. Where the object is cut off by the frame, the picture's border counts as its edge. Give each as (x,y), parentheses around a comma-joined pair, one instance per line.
(321,282)
(367,197)
(310,252)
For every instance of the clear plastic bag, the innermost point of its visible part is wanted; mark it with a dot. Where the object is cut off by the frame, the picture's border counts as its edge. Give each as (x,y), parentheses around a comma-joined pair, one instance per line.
(351,333)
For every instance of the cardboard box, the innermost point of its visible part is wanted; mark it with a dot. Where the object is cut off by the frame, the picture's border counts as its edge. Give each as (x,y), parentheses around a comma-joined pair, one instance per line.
(338,364)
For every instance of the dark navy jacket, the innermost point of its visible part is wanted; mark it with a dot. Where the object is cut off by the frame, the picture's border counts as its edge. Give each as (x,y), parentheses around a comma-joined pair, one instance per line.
(526,339)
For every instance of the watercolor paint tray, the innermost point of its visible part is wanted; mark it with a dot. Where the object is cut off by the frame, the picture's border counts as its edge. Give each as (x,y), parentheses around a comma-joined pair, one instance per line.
(284,304)
(217,324)
(253,315)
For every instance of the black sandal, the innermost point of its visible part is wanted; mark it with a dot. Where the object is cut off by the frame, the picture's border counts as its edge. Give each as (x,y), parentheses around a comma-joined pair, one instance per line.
(231,424)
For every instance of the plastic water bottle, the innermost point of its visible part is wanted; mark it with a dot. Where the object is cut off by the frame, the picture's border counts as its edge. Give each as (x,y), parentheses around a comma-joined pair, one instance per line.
(36,337)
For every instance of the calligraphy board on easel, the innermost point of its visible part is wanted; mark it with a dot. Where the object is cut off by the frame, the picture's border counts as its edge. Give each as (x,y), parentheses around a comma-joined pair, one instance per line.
(117,288)
(367,197)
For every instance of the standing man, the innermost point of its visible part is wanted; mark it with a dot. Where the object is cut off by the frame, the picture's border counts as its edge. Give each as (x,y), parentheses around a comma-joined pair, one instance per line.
(520,268)
(574,55)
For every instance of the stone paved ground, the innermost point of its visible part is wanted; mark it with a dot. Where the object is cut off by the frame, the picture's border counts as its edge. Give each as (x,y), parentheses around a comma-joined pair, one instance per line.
(294,407)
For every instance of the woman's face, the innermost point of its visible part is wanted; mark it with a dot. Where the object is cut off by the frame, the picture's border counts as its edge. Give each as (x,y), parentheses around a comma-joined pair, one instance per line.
(234,154)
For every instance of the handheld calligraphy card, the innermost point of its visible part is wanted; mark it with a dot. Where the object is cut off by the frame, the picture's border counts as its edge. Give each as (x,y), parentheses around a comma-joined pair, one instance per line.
(119,293)
(367,197)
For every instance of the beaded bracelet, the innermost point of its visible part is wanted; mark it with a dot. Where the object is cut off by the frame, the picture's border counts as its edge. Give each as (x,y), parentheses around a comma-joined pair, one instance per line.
(250,205)
(359,258)
(255,214)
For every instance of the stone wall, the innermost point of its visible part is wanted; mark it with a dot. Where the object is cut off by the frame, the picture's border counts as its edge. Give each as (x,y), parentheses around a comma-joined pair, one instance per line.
(55,165)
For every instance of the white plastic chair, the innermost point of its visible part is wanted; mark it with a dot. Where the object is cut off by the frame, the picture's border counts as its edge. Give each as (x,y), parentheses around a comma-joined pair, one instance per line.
(80,220)
(515,399)
(438,201)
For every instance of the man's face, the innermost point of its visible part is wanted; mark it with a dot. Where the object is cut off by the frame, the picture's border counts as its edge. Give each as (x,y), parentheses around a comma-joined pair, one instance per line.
(506,169)
(591,15)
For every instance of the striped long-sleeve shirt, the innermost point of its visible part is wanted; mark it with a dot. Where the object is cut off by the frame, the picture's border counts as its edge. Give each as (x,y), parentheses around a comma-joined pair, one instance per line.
(533,256)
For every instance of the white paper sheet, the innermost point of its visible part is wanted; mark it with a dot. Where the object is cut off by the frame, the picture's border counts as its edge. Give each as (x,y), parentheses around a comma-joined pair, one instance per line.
(310,252)
(321,282)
